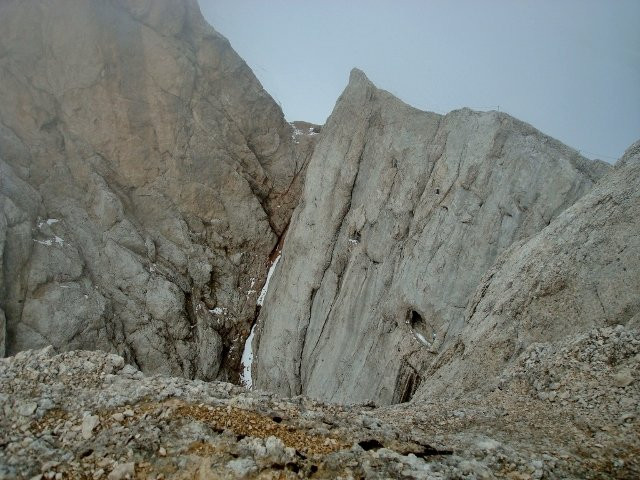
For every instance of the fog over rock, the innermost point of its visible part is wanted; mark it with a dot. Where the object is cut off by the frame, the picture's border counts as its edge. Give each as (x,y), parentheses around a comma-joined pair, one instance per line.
(145,177)
(403,212)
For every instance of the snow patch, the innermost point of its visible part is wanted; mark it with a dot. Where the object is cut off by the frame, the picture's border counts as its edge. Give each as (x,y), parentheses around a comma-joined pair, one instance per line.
(247,352)
(247,360)
(421,339)
(219,311)
(296,131)
(263,293)
(50,241)
(49,221)
(251,290)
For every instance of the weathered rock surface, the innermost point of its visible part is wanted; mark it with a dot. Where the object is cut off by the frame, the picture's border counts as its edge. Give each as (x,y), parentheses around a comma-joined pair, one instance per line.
(560,413)
(145,176)
(403,212)
(580,272)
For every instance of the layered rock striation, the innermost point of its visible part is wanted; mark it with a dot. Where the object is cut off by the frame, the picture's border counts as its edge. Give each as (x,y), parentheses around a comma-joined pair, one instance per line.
(145,177)
(402,214)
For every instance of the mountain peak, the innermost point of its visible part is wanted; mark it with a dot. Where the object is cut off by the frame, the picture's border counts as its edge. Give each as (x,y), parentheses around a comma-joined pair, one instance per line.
(358,75)
(359,79)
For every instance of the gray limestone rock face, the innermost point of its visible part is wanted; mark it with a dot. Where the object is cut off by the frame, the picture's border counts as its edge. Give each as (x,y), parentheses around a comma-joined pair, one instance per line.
(145,177)
(403,212)
(580,272)
(3,328)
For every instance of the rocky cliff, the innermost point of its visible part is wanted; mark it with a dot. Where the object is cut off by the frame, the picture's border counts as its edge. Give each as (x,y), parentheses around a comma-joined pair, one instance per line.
(474,276)
(580,272)
(402,214)
(145,177)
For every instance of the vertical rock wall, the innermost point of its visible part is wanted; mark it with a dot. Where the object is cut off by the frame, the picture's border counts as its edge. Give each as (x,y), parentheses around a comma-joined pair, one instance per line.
(403,211)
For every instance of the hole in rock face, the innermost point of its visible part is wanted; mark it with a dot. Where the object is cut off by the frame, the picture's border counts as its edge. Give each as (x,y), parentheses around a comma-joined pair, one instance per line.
(423,332)
(371,444)
(437,191)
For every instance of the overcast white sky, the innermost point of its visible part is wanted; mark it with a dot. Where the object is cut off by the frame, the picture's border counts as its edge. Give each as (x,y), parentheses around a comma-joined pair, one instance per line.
(569,67)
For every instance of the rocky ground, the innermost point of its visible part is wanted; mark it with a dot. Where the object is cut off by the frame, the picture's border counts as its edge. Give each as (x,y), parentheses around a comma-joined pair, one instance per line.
(565,411)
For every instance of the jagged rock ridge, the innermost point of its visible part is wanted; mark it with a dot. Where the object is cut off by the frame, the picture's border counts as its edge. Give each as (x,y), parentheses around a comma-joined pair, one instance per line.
(145,176)
(403,212)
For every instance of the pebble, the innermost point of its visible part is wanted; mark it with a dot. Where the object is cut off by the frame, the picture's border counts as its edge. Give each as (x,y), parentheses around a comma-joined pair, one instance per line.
(242,467)
(27,409)
(118,417)
(623,378)
(627,416)
(89,423)
(122,471)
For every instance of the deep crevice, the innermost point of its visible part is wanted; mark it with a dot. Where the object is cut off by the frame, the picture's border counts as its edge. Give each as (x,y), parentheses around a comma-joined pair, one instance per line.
(407,383)
(430,451)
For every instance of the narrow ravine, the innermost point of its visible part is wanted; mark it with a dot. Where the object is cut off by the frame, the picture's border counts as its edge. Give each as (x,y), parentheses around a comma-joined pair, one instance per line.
(247,353)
